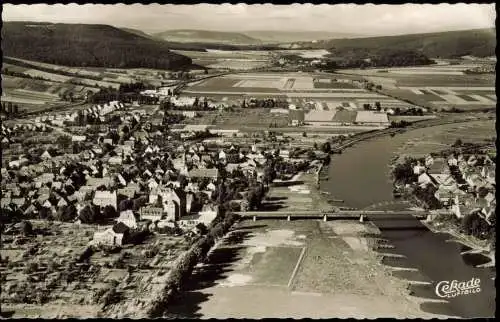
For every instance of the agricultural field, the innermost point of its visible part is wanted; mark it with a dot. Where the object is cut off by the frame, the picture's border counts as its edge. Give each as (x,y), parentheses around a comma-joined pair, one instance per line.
(226,59)
(292,85)
(255,117)
(238,64)
(46,268)
(306,53)
(440,87)
(438,138)
(325,83)
(34,94)
(42,89)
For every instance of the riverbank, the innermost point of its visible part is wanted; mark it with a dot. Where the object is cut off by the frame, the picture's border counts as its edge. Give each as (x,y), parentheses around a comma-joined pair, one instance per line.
(361,177)
(297,269)
(302,193)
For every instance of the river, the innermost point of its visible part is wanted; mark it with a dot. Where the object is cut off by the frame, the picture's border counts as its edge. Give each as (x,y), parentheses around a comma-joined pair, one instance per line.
(360,177)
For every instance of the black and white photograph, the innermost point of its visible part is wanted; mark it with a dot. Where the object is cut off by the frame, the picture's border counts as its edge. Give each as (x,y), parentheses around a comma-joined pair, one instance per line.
(248,161)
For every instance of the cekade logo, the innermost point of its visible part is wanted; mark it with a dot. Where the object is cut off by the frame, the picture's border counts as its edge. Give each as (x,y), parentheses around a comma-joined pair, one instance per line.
(447,289)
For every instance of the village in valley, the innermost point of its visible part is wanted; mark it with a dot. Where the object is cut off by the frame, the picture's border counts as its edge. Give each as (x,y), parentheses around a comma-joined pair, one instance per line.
(133,182)
(245,174)
(461,180)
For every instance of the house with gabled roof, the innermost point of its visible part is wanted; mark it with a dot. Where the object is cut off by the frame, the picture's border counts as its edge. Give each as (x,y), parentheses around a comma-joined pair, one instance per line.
(152,213)
(105,198)
(46,155)
(97,182)
(45,178)
(418,169)
(121,180)
(78,138)
(57,185)
(19,202)
(147,173)
(474,180)
(30,210)
(212,173)
(152,184)
(109,237)
(115,160)
(443,179)
(62,203)
(439,166)
(424,179)
(452,161)
(490,198)
(128,218)
(472,160)
(192,186)
(5,202)
(14,164)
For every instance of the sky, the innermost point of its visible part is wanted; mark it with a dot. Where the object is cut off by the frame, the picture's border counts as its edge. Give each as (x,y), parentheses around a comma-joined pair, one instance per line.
(343,18)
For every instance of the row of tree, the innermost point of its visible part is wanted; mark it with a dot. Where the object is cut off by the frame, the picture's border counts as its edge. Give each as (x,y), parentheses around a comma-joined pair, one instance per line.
(186,263)
(9,108)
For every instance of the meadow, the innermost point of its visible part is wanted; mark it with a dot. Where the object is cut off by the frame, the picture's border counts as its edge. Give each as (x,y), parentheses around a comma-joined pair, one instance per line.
(35,86)
(439,87)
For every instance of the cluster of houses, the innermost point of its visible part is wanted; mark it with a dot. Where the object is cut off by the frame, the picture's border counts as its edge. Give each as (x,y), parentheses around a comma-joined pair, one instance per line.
(170,182)
(464,183)
(96,111)
(8,133)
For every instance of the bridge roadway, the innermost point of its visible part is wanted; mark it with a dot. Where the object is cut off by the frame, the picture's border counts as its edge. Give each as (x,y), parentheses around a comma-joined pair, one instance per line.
(343,214)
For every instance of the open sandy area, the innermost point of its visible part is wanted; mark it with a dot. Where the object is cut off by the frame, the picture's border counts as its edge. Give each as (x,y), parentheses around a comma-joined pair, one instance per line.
(295,269)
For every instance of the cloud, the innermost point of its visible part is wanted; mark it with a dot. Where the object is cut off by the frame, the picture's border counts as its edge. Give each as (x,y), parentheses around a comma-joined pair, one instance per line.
(350,18)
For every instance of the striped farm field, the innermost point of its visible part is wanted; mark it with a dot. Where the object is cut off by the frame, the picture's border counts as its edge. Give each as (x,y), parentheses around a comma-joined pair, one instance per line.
(45,75)
(334,95)
(334,85)
(13,68)
(471,91)
(444,80)
(467,98)
(23,96)
(215,83)
(95,83)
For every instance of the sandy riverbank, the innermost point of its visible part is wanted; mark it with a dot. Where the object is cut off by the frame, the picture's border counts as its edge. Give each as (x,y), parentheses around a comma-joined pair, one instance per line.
(297,269)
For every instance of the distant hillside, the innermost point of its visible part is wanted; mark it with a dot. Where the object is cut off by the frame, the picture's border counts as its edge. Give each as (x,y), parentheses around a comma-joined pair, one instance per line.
(139,33)
(87,45)
(271,36)
(202,36)
(451,44)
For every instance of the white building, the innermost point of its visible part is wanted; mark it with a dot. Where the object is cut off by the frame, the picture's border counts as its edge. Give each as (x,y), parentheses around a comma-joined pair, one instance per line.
(127,218)
(183,101)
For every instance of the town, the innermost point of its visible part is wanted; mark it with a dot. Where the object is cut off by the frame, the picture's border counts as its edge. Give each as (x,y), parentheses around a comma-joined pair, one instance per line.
(114,175)
(462,180)
(247,169)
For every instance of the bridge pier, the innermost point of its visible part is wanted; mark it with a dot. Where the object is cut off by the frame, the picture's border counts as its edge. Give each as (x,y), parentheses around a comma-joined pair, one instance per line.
(288,218)
(361,218)
(254,218)
(325,218)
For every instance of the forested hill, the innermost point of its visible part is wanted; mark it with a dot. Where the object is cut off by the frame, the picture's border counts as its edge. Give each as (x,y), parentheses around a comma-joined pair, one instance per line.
(205,36)
(87,45)
(451,44)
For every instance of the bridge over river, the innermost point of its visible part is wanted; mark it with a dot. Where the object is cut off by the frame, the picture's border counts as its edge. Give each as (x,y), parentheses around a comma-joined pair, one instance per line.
(342,214)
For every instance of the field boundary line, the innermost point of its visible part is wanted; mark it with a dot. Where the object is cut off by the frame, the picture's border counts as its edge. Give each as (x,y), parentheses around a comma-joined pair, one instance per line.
(297,266)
